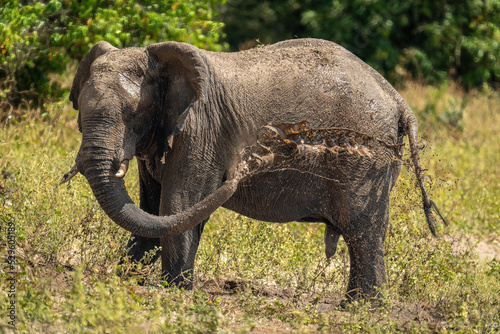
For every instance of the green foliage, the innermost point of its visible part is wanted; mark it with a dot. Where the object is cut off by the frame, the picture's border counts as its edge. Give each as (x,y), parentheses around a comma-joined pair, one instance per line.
(40,38)
(25,55)
(425,39)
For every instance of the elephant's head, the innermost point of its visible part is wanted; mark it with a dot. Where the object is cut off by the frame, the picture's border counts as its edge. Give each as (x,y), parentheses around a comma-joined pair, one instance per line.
(132,102)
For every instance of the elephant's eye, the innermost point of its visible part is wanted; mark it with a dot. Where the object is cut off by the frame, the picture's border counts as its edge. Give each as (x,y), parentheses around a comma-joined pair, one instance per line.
(129,111)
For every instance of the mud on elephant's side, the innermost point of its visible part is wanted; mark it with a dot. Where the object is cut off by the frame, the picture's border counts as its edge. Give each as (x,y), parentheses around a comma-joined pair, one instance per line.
(301,130)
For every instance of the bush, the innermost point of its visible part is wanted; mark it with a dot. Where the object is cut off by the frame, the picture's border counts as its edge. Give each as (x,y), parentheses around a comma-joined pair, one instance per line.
(39,38)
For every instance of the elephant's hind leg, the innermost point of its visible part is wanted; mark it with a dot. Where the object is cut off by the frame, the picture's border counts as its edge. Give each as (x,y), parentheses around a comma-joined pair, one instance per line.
(367,268)
(364,235)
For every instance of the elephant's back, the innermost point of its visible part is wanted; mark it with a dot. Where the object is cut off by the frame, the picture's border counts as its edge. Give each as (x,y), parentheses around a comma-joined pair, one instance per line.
(313,80)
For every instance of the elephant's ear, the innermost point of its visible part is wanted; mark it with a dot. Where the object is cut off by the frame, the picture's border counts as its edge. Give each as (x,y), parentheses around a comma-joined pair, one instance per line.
(190,60)
(83,72)
(187,73)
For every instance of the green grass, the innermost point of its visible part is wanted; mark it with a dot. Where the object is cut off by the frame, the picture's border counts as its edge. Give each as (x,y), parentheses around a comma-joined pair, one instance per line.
(254,275)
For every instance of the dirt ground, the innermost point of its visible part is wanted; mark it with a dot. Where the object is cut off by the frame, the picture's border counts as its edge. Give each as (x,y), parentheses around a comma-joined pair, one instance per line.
(229,292)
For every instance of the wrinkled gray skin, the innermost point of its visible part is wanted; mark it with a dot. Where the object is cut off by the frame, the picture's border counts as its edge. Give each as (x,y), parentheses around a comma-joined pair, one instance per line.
(186,114)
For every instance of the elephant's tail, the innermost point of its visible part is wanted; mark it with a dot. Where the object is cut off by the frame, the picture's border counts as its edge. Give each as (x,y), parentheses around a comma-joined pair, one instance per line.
(431,211)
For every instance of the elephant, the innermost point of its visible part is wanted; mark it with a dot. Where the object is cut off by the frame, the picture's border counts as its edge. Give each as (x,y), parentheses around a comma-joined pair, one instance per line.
(301,130)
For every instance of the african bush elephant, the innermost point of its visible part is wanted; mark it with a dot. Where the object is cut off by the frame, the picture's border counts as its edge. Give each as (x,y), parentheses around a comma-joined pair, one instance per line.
(301,130)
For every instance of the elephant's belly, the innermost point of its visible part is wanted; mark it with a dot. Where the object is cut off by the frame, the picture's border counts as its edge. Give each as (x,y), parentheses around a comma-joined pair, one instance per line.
(281,197)
(314,188)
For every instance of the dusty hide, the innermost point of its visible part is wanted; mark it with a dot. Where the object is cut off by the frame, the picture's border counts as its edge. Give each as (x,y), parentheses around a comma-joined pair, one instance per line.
(315,151)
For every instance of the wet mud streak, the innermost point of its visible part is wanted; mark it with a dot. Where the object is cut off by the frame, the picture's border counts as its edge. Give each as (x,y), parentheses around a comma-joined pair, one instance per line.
(293,146)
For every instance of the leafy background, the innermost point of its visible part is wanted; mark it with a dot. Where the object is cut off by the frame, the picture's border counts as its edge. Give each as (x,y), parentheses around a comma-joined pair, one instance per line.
(40,38)
(426,40)
(254,276)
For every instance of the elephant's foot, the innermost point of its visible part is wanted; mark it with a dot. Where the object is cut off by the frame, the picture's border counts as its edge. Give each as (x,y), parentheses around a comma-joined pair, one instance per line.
(141,254)
(374,298)
(356,294)
(365,284)
(181,281)
(177,257)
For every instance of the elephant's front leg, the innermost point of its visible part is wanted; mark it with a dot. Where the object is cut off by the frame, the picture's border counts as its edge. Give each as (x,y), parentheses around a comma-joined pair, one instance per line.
(150,192)
(178,255)
(190,175)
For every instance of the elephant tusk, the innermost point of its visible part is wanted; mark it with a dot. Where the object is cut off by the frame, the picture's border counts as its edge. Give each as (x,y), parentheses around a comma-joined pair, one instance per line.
(69,175)
(123,169)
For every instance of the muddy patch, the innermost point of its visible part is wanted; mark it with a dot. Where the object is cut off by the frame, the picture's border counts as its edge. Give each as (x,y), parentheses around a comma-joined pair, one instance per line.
(321,152)
(275,138)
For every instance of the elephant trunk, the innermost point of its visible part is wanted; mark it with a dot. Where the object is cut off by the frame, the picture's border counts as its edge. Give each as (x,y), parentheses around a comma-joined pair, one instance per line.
(113,198)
